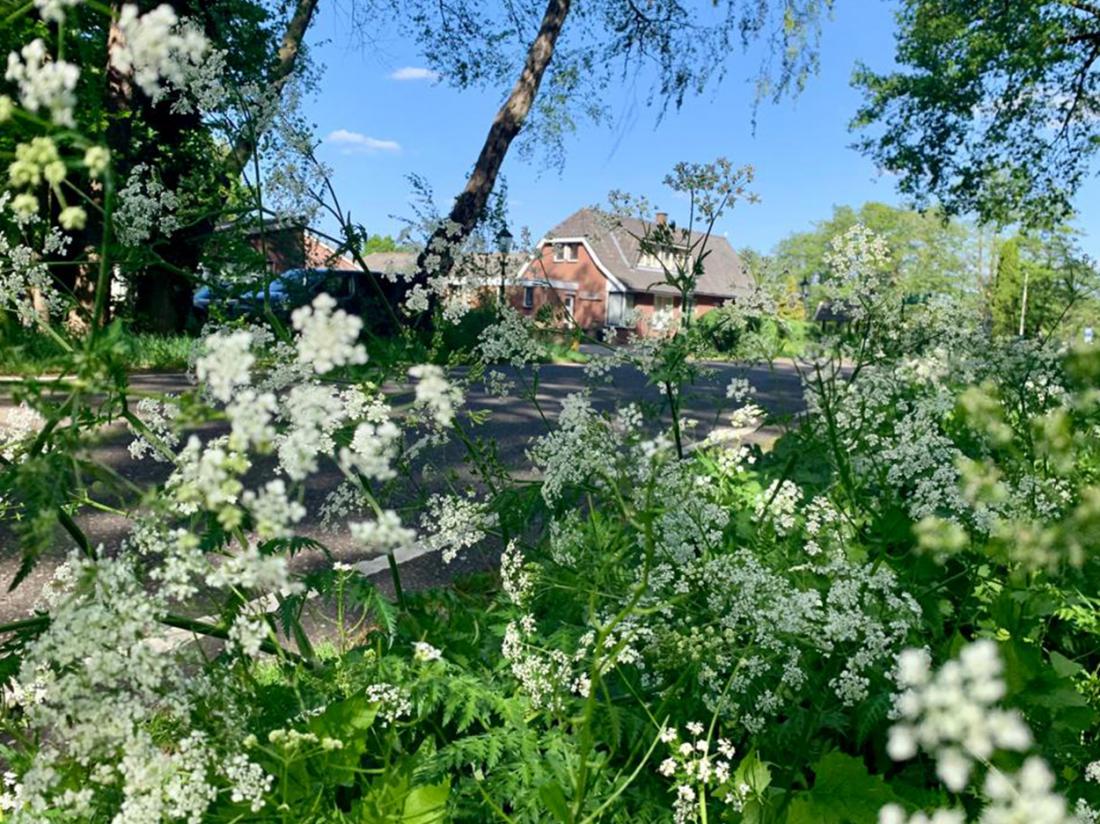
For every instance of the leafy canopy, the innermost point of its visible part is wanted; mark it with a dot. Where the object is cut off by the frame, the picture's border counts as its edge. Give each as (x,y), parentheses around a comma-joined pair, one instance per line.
(994,108)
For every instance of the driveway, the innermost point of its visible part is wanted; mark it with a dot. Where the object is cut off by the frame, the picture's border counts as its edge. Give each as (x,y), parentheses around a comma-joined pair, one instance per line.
(511,424)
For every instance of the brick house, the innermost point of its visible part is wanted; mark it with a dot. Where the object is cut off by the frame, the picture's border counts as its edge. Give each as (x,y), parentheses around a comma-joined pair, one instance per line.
(290,245)
(597,273)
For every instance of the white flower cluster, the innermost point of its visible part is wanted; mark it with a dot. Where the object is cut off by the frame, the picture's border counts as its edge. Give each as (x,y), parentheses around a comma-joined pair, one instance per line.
(159,417)
(515,579)
(384,535)
(54,10)
(755,635)
(425,653)
(697,770)
(452,523)
(582,446)
(393,702)
(952,714)
(778,505)
(91,685)
(26,286)
(327,336)
(509,340)
(272,510)
(146,206)
(17,425)
(159,52)
(373,450)
(435,394)
(44,84)
(547,677)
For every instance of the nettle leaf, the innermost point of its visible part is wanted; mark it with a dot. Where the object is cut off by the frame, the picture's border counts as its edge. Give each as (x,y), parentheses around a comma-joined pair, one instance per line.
(843,793)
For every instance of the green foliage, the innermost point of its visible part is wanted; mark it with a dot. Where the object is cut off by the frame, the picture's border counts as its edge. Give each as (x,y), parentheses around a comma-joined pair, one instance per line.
(1027,66)
(930,253)
(385,243)
(843,792)
(31,353)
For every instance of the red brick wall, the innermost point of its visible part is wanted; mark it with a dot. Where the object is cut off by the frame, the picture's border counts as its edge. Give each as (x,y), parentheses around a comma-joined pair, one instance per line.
(589,298)
(284,248)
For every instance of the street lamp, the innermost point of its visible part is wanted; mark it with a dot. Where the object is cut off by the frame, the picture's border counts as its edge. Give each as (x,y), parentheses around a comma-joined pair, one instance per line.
(504,245)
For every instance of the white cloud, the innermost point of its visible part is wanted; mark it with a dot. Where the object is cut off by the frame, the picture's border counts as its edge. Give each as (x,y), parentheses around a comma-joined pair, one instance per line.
(359,143)
(413,73)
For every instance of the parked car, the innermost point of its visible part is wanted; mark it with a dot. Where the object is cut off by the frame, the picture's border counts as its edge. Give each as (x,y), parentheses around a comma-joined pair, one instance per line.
(286,292)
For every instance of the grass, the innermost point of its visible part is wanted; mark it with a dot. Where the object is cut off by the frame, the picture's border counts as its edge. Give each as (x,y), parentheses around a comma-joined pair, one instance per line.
(25,352)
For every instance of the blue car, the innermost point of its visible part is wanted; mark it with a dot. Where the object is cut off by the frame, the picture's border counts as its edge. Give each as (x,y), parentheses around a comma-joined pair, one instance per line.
(286,292)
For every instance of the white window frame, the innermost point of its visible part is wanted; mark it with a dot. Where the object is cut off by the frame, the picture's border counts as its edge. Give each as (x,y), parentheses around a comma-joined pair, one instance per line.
(565,252)
(569,302)
(619,306)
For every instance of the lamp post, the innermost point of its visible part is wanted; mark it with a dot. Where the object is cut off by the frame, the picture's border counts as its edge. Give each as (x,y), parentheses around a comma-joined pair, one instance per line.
(804,290)
(504,245)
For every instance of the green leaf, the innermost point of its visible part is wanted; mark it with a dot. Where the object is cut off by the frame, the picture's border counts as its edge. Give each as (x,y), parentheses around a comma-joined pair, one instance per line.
(753,772)
(843,793)
(1063,666)
(427,804)
(553,799)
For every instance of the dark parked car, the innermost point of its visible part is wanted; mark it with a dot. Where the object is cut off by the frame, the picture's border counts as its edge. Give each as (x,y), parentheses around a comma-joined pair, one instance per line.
(286,292)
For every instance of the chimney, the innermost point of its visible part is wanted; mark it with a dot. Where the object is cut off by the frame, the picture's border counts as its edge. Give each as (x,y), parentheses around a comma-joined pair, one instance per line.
(662,218)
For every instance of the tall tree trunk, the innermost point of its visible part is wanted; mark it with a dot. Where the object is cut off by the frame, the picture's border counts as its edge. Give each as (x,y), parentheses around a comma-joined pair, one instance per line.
(289,49)
(470,204)
(163,294)
(118,104)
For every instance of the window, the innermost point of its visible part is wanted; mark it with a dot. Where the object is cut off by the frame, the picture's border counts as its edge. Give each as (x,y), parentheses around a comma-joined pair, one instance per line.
(528,297)
(619,307)
(568,301)
(565,252)
(666,259)
(663,302)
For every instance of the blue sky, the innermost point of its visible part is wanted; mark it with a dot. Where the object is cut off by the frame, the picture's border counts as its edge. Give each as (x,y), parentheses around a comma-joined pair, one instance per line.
(382,124)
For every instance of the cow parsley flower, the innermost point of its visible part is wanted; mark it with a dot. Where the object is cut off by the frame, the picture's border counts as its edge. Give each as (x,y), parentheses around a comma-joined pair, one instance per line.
(156,50)
(274,512)
(373,450)
(384,535)
(425,653)
(436,394)
(226,363)
(44,84)
(952,714)
(453,523)
(327,336)
(54,10)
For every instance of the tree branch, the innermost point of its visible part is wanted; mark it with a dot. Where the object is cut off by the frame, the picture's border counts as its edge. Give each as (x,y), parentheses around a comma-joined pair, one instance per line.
(289,50)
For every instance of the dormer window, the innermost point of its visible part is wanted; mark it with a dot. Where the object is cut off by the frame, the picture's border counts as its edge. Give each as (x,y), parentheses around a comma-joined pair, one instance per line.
(565,252)
(665,259)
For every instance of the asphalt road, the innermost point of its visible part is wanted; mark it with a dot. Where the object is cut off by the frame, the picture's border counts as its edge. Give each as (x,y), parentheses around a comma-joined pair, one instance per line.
(511,424)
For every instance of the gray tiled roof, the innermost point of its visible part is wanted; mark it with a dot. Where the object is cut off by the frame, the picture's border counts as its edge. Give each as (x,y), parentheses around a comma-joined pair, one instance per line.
(618,250)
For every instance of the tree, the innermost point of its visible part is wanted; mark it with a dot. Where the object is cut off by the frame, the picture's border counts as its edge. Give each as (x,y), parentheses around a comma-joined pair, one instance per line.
(190,152)
(995,108)
(384,243)
(930,253)
(474,43)
(1007,289)
(1041,278)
